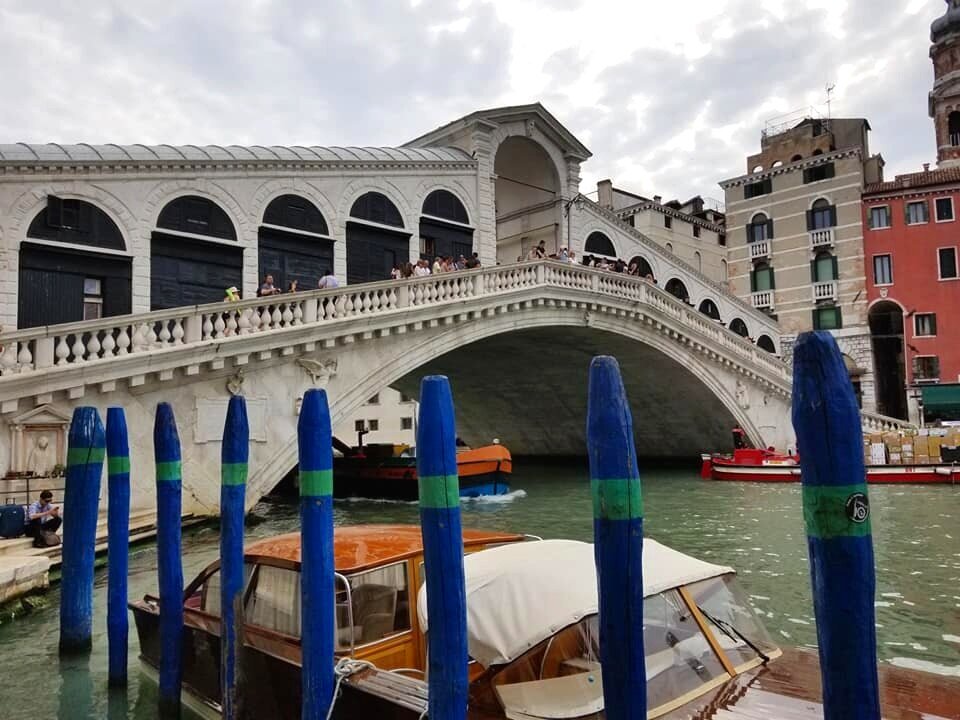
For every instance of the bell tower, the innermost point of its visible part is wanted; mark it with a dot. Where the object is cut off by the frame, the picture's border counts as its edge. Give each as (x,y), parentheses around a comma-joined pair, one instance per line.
(944,100)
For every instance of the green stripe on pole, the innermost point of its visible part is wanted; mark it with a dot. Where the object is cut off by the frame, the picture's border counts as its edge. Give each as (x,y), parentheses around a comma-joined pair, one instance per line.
(118,465)
(85,455)
(316,483)
(169,471)
(440,491)
(233,473)
(831,511)
(617,499)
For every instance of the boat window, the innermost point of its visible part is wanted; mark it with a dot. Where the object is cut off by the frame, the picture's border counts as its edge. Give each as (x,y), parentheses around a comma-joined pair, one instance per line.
(274,602)
(381,606)
(207,597)
(723,603)
(678,657)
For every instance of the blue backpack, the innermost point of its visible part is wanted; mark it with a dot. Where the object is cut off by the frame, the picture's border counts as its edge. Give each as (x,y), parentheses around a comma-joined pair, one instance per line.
(12,519)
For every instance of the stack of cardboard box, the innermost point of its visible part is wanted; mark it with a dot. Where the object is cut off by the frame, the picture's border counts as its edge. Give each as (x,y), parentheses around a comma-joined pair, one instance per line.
(912,447)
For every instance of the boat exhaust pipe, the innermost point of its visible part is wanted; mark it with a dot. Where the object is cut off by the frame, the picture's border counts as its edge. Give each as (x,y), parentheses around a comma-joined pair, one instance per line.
(439,491)
(618,539)
(836,511)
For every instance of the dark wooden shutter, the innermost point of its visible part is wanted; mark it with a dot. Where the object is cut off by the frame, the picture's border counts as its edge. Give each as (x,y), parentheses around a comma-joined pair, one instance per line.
(54,211)
(813,270)
(836,271)
(829,171)
(770,229)
(753,281)
(749,233)
(833,216)
(773,278)
(810,220)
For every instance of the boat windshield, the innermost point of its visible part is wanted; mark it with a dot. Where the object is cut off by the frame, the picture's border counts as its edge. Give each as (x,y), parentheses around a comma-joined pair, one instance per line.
(560,677)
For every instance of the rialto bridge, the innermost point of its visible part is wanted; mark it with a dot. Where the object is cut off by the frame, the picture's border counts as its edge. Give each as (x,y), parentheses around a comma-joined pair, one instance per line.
(114,260)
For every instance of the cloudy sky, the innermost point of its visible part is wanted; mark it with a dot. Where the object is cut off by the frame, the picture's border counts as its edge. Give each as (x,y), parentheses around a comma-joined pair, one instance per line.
(669,96)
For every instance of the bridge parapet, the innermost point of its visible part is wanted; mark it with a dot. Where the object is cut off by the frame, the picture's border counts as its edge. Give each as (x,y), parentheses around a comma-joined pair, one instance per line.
(116,343)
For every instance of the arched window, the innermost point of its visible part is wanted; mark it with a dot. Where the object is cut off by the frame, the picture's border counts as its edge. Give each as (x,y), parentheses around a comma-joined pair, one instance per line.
(739,327)
(823,267)
(796,158)
(669,247)
(376,207)
(68,284)
(765,342)
(293,244)
(818,151)
(698,261)
(600,244)
(297,213)
(821,215)
(643,267)
(444,204)
(758,168)
(676,288)
(759,229)
(953,127)
(709,308)
(198,216)
(778,163)
(723,270)
(761,278)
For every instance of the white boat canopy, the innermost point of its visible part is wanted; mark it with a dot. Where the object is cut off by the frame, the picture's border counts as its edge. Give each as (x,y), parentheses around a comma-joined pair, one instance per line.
(520,594)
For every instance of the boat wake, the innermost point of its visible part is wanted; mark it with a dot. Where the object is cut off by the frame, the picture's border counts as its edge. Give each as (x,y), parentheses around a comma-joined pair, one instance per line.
(495,499)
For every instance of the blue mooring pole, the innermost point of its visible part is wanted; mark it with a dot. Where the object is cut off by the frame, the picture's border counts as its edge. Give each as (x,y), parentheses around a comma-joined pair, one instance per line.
(85,451)
(318,613)
(618,541)
(234,454)
(166,443)
(836,510)
(118,543)
(439,487)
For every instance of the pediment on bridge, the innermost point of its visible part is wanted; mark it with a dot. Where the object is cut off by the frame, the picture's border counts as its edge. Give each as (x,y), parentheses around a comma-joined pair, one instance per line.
(532,115)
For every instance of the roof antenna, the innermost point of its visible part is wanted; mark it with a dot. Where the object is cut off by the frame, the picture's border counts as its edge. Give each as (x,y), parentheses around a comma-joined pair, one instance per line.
(830,89)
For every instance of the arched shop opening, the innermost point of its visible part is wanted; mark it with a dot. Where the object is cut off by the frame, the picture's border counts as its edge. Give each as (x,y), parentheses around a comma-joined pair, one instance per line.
(444,227)
(599,244)
(643,267)
(294,243)
(376,240)
(676,288)
(709,308)
(194,255)
(765,342)
(886,337)
(527,199)
(72,266)
(739,327)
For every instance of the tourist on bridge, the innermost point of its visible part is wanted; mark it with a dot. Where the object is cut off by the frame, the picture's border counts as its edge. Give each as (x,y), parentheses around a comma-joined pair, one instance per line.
(473,262)
(231,294)
(292,287)
(328,281)
(43,516)
(268,288)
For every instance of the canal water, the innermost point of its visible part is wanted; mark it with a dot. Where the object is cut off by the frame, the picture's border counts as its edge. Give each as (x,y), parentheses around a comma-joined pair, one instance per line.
(757,529)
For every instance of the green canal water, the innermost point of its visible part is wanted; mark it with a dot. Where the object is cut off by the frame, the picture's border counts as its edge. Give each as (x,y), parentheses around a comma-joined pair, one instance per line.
(757,529)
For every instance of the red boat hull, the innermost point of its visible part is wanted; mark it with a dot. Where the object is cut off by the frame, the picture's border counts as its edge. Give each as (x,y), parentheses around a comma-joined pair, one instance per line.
(721,469)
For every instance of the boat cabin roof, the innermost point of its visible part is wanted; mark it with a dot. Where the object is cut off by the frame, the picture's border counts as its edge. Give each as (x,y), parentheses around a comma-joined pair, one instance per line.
(361,547)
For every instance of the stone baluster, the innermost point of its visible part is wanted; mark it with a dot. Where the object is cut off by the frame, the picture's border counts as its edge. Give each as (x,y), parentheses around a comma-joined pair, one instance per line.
(340,306)
(297,313)
(243,323)
(177,332)
(123,340)
(219,326)
(78,349)
(165,335)
(207,326)
(287,315)
(139,339)
(62,350)
(348,305)
(231,328)
(25,357)
(8,360)
(276,318)
(94,346)
(256,320)
(109,344)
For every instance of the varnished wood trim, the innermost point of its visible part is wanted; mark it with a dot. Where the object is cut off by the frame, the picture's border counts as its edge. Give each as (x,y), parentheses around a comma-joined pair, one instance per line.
(707,633)
(684,699)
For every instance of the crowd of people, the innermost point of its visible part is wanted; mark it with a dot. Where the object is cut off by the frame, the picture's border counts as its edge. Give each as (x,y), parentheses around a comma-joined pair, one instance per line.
(422,268)
(539,252)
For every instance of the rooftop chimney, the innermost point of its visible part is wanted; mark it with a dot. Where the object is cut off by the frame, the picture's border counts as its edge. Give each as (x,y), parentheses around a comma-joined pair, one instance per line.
(605,194)
(657,199)
(926,167)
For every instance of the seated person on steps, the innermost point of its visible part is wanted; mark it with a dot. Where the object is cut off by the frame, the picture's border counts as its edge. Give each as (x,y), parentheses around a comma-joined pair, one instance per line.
(43,516)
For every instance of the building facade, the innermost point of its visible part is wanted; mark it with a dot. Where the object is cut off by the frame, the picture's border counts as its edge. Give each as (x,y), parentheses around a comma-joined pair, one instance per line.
(390,417)
(795,237)
(694,230)
(944,101)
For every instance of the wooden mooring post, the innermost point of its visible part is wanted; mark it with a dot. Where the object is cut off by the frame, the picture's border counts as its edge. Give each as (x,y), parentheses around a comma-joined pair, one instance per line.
(618,538)
(836,511)
(118,544)
(85,451)
(318,611)
(234,455)
(169,562)
(439,489)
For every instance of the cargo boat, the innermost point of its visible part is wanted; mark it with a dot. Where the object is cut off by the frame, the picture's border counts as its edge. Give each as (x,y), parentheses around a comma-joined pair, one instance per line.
(389,472)
(532,636)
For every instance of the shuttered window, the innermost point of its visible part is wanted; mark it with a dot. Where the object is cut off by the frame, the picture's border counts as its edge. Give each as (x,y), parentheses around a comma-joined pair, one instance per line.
(818,173)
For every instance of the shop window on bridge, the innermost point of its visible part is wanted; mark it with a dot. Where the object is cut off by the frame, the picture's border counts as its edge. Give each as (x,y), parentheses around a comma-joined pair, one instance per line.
(72,266)
(676,288)
(709,308)
(643,268)
(293,243)
(194,254)
(765,342)
(442,227)
(739,327)
(599,244)
(821,216)
(376,239)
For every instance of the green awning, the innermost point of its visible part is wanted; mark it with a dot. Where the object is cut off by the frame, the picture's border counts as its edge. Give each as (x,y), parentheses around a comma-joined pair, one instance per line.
(941,399)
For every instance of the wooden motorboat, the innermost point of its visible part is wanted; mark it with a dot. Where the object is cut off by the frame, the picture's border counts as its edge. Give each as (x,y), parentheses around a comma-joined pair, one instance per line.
(390,472)
(750,465)
(532,636)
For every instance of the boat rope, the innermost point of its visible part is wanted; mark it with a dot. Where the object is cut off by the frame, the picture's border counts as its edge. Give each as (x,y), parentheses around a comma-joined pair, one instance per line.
(347,666)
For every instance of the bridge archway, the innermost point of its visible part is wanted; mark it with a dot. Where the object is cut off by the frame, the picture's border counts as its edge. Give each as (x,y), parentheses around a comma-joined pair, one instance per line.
(527,198)
(194,254)
(376,239)
(73,266)
(294,243)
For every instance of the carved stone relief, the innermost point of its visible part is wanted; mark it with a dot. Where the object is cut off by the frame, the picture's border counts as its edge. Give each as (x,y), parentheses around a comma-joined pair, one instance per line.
(320,371)
(38,440)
